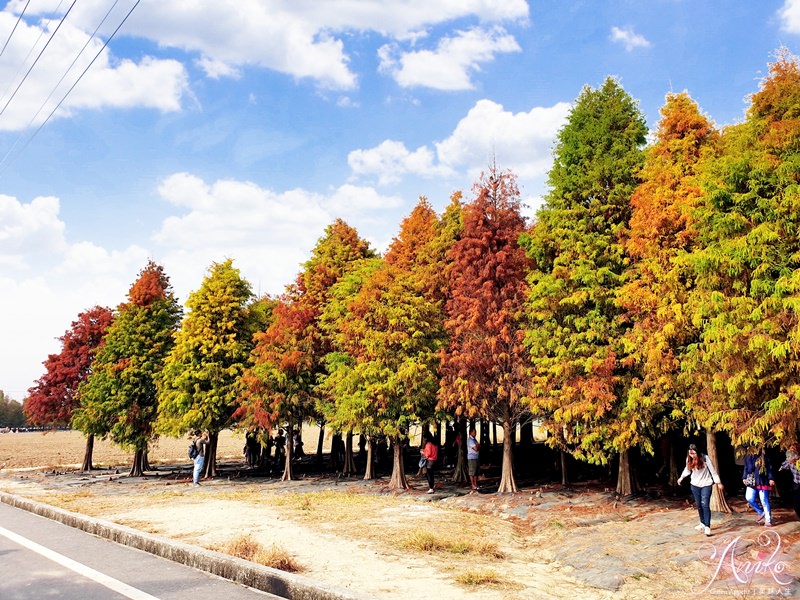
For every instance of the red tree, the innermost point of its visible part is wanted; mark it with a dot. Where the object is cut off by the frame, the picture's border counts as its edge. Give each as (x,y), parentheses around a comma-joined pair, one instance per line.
(54,396)
(483,369)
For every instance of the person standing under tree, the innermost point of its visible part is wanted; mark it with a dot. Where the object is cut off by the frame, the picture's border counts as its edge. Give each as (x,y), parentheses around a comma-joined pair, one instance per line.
(473,448)
(758,479)
(431,453)
(201,443)
(703,478)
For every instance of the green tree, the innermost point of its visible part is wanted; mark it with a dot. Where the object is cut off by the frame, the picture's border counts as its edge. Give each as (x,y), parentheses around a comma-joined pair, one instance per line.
(577,326)
(484,364)
(199,384)
(746,265)
(280,386)
(53,398)
(11,412)
(384,376)
(119,398)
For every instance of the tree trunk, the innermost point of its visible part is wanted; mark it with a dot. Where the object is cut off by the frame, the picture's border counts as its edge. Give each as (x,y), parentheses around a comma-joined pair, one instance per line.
(398,480)
(369,470)
(136,468)
(336,441)
(485,443)
(507,483)
(564,475)
(674,464)
(210,462)
(146,462)
(87,455)
(320,441)
(349,467)
(461,474)
(288,472)
(718,502)
(626,482)
(525,446)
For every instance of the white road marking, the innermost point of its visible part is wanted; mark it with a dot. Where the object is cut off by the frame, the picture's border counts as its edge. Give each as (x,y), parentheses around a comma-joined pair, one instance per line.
(109,582)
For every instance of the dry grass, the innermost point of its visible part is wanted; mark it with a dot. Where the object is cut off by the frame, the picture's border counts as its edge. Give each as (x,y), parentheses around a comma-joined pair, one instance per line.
(246,548)
(423,541)
(484,578)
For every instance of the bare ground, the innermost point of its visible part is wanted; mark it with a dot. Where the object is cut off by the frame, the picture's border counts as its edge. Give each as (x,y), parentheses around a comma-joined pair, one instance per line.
(544,542)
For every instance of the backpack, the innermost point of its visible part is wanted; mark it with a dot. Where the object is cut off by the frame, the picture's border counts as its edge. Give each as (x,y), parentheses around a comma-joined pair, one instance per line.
(193,451)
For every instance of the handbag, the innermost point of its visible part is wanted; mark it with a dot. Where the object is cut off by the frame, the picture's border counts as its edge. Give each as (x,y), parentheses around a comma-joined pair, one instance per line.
(750,480)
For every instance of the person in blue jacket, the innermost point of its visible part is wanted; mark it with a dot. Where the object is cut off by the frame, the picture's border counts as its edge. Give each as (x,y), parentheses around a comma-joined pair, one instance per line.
(758,480)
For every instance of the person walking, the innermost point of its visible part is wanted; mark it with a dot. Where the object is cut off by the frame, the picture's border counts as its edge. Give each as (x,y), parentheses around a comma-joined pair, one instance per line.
(790,464)
(201,440)
(473,454)
(703,476)
(431,453)
(758,480)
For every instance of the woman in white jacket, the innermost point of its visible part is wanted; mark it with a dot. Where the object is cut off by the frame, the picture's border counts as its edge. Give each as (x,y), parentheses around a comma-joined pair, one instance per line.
(703,478)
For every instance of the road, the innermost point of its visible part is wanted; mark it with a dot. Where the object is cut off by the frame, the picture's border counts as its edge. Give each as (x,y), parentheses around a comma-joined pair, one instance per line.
(41,559)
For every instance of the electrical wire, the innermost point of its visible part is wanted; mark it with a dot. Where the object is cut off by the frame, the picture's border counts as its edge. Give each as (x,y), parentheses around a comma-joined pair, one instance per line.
(10,35)
(11,80)
(60,81)
(64,97)
(41,52)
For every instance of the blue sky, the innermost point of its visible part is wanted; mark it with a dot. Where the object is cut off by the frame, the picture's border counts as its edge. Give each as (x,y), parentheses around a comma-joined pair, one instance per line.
(242,128)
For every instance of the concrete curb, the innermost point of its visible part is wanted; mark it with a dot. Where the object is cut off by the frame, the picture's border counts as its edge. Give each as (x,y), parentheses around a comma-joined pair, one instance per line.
(267,579)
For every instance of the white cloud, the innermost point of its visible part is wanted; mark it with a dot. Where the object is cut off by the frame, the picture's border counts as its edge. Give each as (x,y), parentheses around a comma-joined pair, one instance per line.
(217,69)
(268,234)
(32,92)
(390,161)
(521,142)
(298,38)
(29,232)
(628,38)
(451,64)
(789,15)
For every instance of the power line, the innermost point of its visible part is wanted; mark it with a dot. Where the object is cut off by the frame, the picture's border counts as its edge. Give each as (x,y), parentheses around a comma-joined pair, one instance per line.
(41,52)
(25,60)
(53,91)
(10,35)
(64,97)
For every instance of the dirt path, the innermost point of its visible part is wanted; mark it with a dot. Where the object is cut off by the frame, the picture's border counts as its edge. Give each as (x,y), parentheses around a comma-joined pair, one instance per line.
(547,542)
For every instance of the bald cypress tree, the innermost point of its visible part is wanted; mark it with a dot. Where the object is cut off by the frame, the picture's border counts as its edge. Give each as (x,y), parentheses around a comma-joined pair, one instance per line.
(199,384)
(119,398)
(576,324)
(484,363)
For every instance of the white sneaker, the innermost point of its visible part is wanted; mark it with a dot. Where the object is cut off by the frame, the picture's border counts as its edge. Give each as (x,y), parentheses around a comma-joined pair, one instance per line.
(700,527)
(707,530)
(430,491)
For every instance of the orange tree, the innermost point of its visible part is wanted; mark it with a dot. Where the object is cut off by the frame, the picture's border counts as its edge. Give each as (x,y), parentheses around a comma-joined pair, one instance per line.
(119,399)
(53,398)
(280,387)
(658,284)
(483,366)
(577,326)
(383,375)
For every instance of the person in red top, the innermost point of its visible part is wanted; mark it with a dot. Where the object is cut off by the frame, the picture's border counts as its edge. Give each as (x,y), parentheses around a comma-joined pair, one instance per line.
(431,452)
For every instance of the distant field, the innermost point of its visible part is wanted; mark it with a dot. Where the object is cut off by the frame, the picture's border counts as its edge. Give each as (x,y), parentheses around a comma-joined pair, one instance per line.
(64,449)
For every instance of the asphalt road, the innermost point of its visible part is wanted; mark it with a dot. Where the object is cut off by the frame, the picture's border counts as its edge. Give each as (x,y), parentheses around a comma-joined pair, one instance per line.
(42,559)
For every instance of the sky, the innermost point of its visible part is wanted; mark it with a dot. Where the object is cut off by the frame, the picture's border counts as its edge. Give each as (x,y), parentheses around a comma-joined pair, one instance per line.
(193,132)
